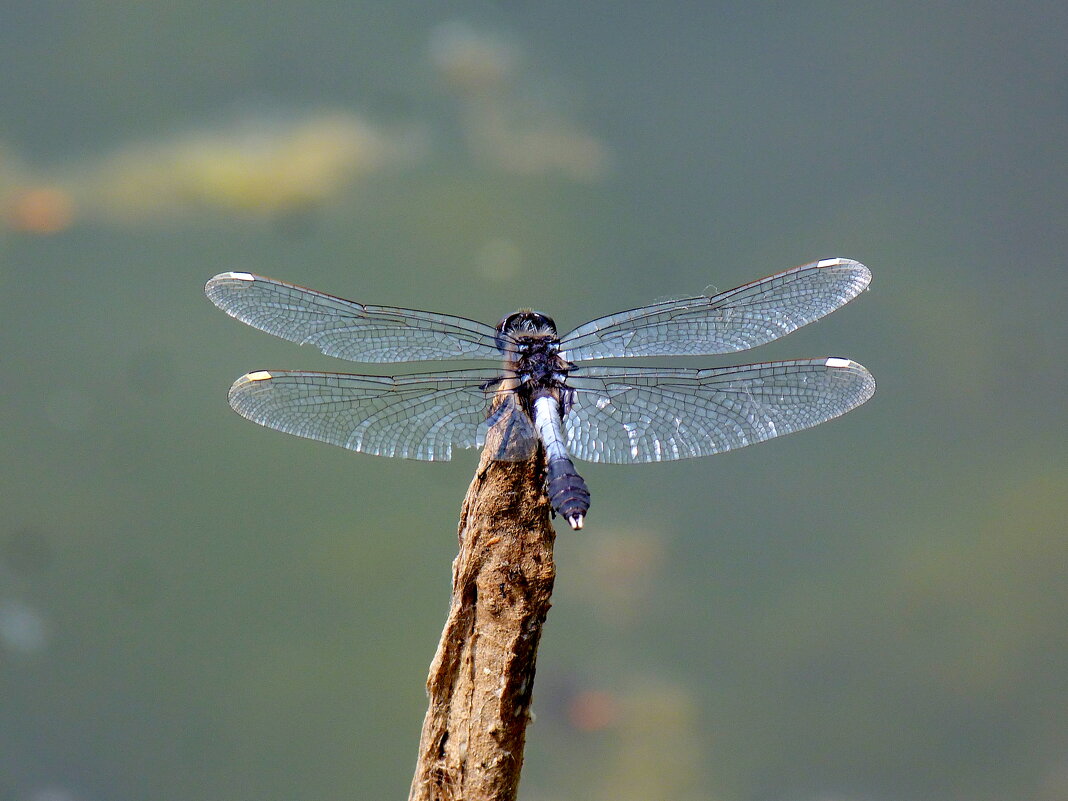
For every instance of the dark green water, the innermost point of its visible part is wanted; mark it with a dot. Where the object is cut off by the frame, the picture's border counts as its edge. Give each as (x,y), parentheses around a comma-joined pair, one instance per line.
(195,608)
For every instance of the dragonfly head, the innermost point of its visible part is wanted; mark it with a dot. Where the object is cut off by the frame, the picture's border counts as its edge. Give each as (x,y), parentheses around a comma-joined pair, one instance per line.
(525,324)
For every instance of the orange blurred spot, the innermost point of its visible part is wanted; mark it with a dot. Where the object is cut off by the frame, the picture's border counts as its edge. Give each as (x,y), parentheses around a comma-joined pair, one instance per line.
(593,710)
(41,210)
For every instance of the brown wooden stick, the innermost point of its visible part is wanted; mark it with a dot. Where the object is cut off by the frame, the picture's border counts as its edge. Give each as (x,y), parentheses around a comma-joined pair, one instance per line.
(482,675)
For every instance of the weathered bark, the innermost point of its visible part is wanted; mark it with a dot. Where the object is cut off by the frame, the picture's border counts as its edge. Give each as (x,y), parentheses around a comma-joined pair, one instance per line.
(482,675)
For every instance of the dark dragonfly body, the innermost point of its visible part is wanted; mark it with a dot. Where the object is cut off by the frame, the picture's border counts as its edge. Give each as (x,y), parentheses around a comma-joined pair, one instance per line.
(542,392)
(530,344)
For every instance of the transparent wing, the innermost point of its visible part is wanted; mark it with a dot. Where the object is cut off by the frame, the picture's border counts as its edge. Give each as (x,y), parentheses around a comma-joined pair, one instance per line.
(420,416)
(626,415)
(347,329)
(739,319)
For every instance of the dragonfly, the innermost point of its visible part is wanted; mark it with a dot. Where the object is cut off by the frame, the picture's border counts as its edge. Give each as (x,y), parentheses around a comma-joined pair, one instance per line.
(539,390)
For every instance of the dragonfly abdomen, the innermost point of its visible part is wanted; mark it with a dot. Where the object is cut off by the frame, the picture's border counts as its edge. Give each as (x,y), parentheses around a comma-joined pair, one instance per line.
(568,493)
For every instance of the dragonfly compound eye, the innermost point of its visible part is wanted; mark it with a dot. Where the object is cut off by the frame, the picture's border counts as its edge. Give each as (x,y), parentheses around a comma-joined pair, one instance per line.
(524,322)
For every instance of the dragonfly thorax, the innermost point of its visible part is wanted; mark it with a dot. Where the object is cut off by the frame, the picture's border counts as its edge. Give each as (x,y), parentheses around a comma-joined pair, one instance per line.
(530,344)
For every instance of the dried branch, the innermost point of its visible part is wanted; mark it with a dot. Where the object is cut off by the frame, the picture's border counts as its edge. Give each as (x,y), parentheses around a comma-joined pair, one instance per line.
(481,679)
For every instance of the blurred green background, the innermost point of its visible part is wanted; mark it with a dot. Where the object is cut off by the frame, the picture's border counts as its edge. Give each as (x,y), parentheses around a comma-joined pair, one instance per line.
(193,607)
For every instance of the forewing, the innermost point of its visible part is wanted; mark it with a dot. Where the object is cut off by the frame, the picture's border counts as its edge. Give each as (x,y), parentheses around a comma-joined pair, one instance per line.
(739,319)
(627,415)
(420,416)
(347,329)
